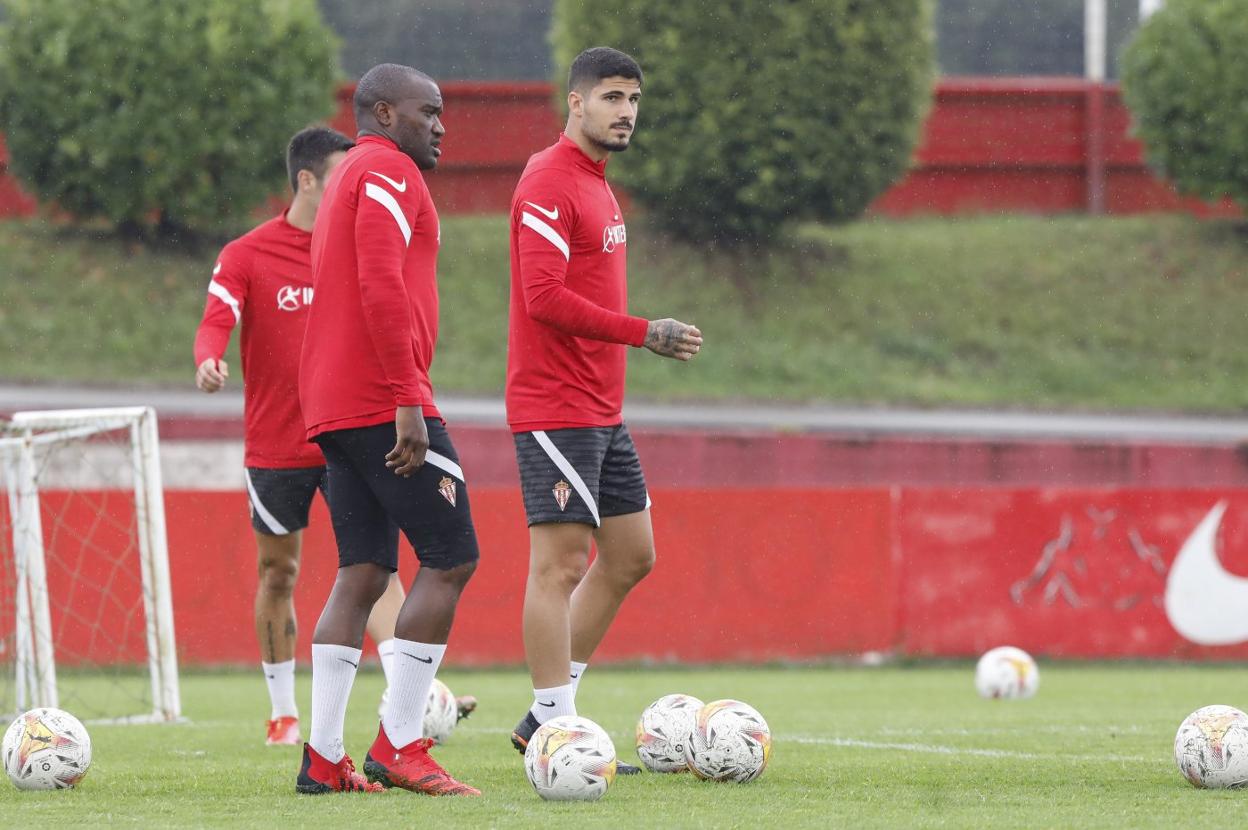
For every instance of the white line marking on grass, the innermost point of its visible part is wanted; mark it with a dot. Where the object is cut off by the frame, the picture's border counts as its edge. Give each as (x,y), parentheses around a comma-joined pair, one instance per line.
(938,749)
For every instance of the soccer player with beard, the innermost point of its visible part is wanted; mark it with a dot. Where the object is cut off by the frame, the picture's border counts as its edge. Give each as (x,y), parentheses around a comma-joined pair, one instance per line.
(262,282)
(367,401)
(570,331)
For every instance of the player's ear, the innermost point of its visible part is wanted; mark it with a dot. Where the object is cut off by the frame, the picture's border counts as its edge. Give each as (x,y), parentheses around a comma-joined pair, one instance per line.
(384,113)
(307,180)
(575,103)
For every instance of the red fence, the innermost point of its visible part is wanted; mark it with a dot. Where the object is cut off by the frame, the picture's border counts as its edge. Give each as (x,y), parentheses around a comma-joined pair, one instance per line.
(805,546)
(1010,144)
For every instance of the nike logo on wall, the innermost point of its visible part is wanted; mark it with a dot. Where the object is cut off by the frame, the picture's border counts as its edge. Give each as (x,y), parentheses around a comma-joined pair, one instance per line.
(399,186)
(1204,601)
(552,215)
(428,660)
(544,703)
(349,663)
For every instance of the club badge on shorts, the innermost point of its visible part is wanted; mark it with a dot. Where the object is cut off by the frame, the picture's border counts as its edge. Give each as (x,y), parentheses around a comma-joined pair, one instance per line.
(447,488)
(562,492)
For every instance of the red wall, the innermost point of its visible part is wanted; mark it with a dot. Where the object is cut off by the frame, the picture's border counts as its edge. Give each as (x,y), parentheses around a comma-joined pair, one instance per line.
(771,546)
(1006,144)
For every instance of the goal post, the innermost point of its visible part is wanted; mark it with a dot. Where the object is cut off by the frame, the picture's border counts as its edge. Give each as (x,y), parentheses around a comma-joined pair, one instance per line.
(78,600)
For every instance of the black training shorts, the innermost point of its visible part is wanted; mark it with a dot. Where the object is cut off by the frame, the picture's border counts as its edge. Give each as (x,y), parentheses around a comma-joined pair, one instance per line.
(582,474)
(280,498)
(369,504)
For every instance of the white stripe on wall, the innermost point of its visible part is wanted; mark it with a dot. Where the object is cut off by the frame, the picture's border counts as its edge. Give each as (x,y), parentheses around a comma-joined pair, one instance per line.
(578,484)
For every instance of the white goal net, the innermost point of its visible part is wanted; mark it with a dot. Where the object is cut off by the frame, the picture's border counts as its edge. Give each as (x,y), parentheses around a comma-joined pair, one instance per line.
(86,616)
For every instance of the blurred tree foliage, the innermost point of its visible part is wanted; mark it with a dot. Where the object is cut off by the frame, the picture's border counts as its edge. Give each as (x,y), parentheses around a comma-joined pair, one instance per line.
(449,39)
(755,114)
(169,116)
(1185,78)
(1023,37)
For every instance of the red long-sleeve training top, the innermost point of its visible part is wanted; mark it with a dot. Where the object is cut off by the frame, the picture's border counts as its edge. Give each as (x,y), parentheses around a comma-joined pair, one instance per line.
(263,282)
(372,330)
(569,323)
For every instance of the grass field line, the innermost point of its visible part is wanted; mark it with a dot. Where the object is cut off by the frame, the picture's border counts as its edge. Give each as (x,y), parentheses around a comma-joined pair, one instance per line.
(940,749)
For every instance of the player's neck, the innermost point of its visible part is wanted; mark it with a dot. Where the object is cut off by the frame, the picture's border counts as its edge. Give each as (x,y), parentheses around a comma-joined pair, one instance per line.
(301,214)
(594,150)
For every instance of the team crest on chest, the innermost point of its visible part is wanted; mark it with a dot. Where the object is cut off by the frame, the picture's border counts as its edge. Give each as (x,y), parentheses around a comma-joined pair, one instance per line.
(447,488)
(562,492)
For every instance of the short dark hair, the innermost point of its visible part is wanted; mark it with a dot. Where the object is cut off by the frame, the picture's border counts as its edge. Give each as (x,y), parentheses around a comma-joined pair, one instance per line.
(599,62)
(384,82)
(310,149)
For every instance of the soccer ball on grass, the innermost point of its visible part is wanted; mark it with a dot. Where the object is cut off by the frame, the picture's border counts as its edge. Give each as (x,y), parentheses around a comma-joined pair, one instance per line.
(441,713)
(46,749)
(730,742)
(663,731)
(1006,672)
(1211,748)
(570,758)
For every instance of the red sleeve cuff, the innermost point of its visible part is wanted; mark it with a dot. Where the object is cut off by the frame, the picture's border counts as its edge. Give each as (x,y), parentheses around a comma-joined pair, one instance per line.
(637,328)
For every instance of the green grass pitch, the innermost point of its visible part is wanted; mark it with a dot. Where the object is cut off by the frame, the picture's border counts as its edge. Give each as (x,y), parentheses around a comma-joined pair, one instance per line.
(853,747)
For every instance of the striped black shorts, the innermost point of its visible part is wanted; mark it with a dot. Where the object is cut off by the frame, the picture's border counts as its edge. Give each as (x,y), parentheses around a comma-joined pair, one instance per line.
(582,474)
(280,498)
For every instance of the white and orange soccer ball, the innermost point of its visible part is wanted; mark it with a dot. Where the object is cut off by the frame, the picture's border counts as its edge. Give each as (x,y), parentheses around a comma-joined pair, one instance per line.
(663,732)
(441,713)
(730,742)
(1211,748)
(46,749)
(570,758)
(1006,672)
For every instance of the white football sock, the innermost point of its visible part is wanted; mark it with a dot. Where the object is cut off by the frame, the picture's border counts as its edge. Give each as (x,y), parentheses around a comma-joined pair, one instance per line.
(576,671)
(551,703)
(333,673)
(280,678)
(415,664)
(385,651)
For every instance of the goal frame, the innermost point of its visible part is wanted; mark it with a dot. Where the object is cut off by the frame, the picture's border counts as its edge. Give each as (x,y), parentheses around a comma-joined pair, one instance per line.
(35,658)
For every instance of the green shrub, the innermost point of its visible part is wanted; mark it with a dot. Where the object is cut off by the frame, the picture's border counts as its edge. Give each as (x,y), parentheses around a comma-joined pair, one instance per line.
(1185,79)
(175,112)
(757,113)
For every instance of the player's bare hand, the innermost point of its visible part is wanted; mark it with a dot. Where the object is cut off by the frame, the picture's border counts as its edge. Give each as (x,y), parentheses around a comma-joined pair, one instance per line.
(674,339)
(411,441)
(211,375)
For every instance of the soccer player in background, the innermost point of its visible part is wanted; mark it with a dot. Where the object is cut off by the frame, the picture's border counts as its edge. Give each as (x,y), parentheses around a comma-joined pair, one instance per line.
(569,332)
(263,282)
(367,401)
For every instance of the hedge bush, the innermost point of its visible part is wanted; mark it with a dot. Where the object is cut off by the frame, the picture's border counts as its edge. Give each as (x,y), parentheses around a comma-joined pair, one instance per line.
(754,113)
(1185,80)
(174,112)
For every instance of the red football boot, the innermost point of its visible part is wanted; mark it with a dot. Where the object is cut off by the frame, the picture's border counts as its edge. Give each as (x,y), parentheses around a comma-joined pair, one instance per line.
(411,768)
(318,775)
(283,731)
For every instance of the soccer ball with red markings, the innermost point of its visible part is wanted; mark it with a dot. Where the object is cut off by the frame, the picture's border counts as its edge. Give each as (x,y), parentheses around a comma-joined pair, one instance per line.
(1006,672)
(730,742)
(46,749)
(663,732)
(570,758)
(1211,748)
(441,713)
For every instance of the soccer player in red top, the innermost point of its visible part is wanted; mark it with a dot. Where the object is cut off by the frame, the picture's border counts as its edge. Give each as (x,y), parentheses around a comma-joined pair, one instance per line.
(569,336)
(366,399)
(262,281)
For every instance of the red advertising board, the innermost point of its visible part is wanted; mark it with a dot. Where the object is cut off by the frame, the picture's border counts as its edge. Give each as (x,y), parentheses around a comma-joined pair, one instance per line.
(1070,572)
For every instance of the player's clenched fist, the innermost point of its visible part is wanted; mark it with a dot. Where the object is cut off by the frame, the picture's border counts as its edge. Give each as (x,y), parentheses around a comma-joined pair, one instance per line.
(210,376)
(672,338)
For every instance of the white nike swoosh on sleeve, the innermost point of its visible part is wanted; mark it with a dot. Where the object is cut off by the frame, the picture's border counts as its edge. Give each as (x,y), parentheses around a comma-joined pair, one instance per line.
(399,186)
(552,215)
